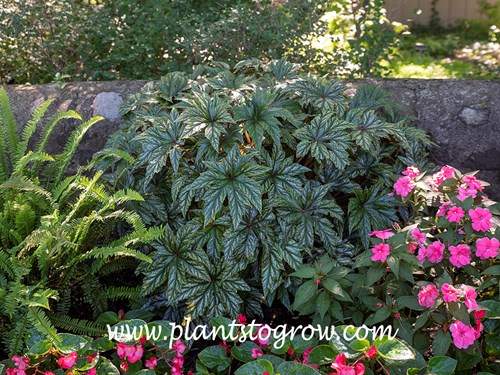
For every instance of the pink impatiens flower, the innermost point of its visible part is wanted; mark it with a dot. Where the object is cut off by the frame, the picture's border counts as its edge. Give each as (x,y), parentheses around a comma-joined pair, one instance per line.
(68,361)
(419,236)
(242,319)
(463,335)
(372,352)
(450,294)
(411,172)
(120,350)
(464,193)
(380,252)
(472,183)
(21,362)
(382,234)
(422,254)
(428,295)
(455,214)
(447,171)
(487,248)
(435,252)
(412,247)
(403,186)
(480,219)
(460,255)
(443,208)
(92,371)
(470,296)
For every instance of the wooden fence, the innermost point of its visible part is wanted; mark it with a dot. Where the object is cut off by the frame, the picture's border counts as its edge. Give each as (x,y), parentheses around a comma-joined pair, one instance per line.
(450,11)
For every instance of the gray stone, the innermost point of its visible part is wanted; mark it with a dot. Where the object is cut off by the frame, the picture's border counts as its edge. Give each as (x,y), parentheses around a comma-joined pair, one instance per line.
(461,116)
(474,116)
(106,104)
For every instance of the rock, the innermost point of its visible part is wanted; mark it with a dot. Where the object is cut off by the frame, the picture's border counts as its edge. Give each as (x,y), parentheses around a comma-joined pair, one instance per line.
(474,116)
(106,105)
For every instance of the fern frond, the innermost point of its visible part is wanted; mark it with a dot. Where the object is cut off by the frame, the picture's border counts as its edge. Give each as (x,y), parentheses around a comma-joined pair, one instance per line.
(24,184)
(6,265)
(8,124)
(83,198)
(78,326)
(52,123)
(122,292)
(30,128)
(93,295)
(62,190)
(14,340)
(21,164)
(41,322)
(25,220)
(117,265)
(103,253)
(72,144)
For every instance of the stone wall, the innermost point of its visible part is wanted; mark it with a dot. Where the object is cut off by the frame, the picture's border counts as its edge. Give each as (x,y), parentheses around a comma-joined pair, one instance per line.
(462,116)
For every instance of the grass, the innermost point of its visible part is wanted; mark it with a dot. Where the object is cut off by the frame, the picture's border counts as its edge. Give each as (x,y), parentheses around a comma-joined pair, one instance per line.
(467,51)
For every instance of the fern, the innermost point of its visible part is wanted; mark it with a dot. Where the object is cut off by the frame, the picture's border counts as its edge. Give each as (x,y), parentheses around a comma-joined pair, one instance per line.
(72,144)
(78,326)
(30,128)
(51,125)
(8,127)
(48,225)
(39,319)
(118,293)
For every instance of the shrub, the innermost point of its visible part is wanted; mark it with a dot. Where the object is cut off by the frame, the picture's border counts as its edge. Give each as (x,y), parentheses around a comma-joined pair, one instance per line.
(254,170)
(57,249)
(116,39)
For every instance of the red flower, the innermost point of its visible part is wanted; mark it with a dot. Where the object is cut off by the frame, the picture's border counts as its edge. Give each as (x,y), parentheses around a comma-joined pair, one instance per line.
(124,366)
(372,352)
(225,346)
(479,314)
(242,319)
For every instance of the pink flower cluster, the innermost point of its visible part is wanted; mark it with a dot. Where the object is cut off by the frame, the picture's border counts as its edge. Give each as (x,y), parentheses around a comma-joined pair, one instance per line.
(131,353)
(178,361)
(444,173)
(341,368)
(428,295)
(480,217)
(469,189)
(21,364)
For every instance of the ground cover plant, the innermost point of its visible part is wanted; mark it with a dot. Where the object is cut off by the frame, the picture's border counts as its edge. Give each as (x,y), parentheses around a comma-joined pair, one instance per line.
(58,252)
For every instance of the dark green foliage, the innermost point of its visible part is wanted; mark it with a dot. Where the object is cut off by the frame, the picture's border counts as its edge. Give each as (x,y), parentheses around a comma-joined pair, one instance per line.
(57,40)
(254,178)
(56,234)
